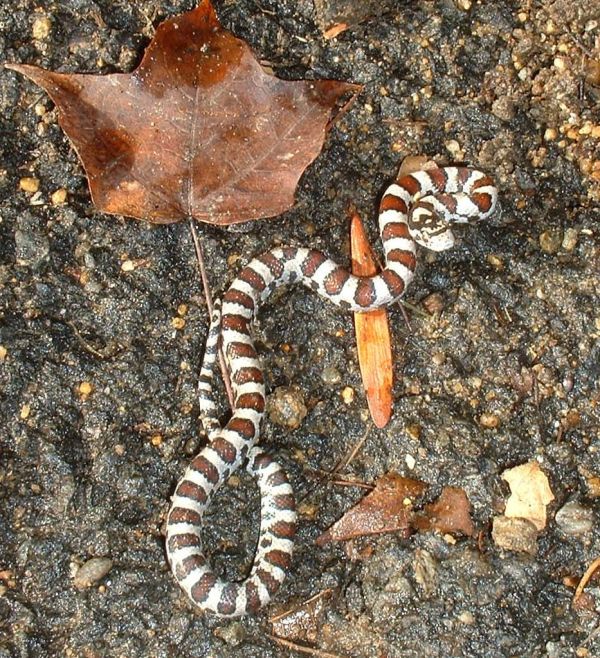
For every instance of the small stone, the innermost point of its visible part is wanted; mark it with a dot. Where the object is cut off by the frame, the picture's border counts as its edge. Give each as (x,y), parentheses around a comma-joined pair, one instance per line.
(127,266)
(570,239)
(182,309)
(489,420)
(232,634)
(560,63)
(550,241)
(453,147)
(3,352)
(232,259)
(348,395)
(25,411)
(59,196)
(410,462)
(178,323)
(307,511)
(466,618)
(515,534)
(495,261)
(286,407)
(41,27)
(426,570)
(92,571)
(85,390)
(331,375)
(593,485)
(414,431)
(504,108)
(438,358)
(575,519)
(433,303)
(592,71)
(550,134)
(29,184)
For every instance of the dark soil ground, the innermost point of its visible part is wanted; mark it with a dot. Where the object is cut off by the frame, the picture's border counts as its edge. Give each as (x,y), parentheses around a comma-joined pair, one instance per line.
(98,412)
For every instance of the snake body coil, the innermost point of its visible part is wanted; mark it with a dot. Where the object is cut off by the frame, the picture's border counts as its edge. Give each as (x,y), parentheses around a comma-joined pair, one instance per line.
(418,208)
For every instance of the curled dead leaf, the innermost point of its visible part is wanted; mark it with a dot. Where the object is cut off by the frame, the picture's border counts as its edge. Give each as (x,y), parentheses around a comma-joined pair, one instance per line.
(450,513)
(388,508)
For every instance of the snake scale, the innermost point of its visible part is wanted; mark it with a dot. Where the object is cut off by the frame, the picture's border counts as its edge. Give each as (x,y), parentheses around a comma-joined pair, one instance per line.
(417,208)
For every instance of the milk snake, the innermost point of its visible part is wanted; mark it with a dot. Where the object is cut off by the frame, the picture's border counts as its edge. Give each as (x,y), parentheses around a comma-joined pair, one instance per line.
(418,208)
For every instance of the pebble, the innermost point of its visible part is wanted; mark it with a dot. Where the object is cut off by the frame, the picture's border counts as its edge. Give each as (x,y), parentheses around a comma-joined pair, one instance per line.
(438,358)
(433,303)
(127,265)
(286,407)
(92,571)
(504,108)
(58,197)
(32,246)
(515,534)
(489,421)
(570,239)
(29,184)
(414,431)
(593,485)
(426,570)
(550,241)
(331,375)
(41,27)
(348,395)
(3,352)
(575,519)
(496,262)
(232,634)
(85,390)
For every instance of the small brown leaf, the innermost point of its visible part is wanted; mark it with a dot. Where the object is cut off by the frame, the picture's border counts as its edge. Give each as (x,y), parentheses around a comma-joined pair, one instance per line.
(372,334)
(450,513)
(388,508)
(199,129)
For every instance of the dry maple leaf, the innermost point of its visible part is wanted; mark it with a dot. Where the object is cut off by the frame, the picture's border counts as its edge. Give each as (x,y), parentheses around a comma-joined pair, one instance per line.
(199,129)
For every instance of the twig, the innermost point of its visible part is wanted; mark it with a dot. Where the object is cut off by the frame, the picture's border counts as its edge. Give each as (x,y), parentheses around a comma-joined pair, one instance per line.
(300,648)
(86,346)
(415,309)
(351,455)
(312,599)
(320,475)
(209,306)
(585,578)
(329,476)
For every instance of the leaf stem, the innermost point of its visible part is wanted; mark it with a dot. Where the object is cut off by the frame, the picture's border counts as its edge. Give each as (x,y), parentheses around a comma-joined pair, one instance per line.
(210,306)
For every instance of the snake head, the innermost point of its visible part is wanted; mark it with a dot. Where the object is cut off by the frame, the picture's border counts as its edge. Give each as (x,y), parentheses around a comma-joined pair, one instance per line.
(429,229)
